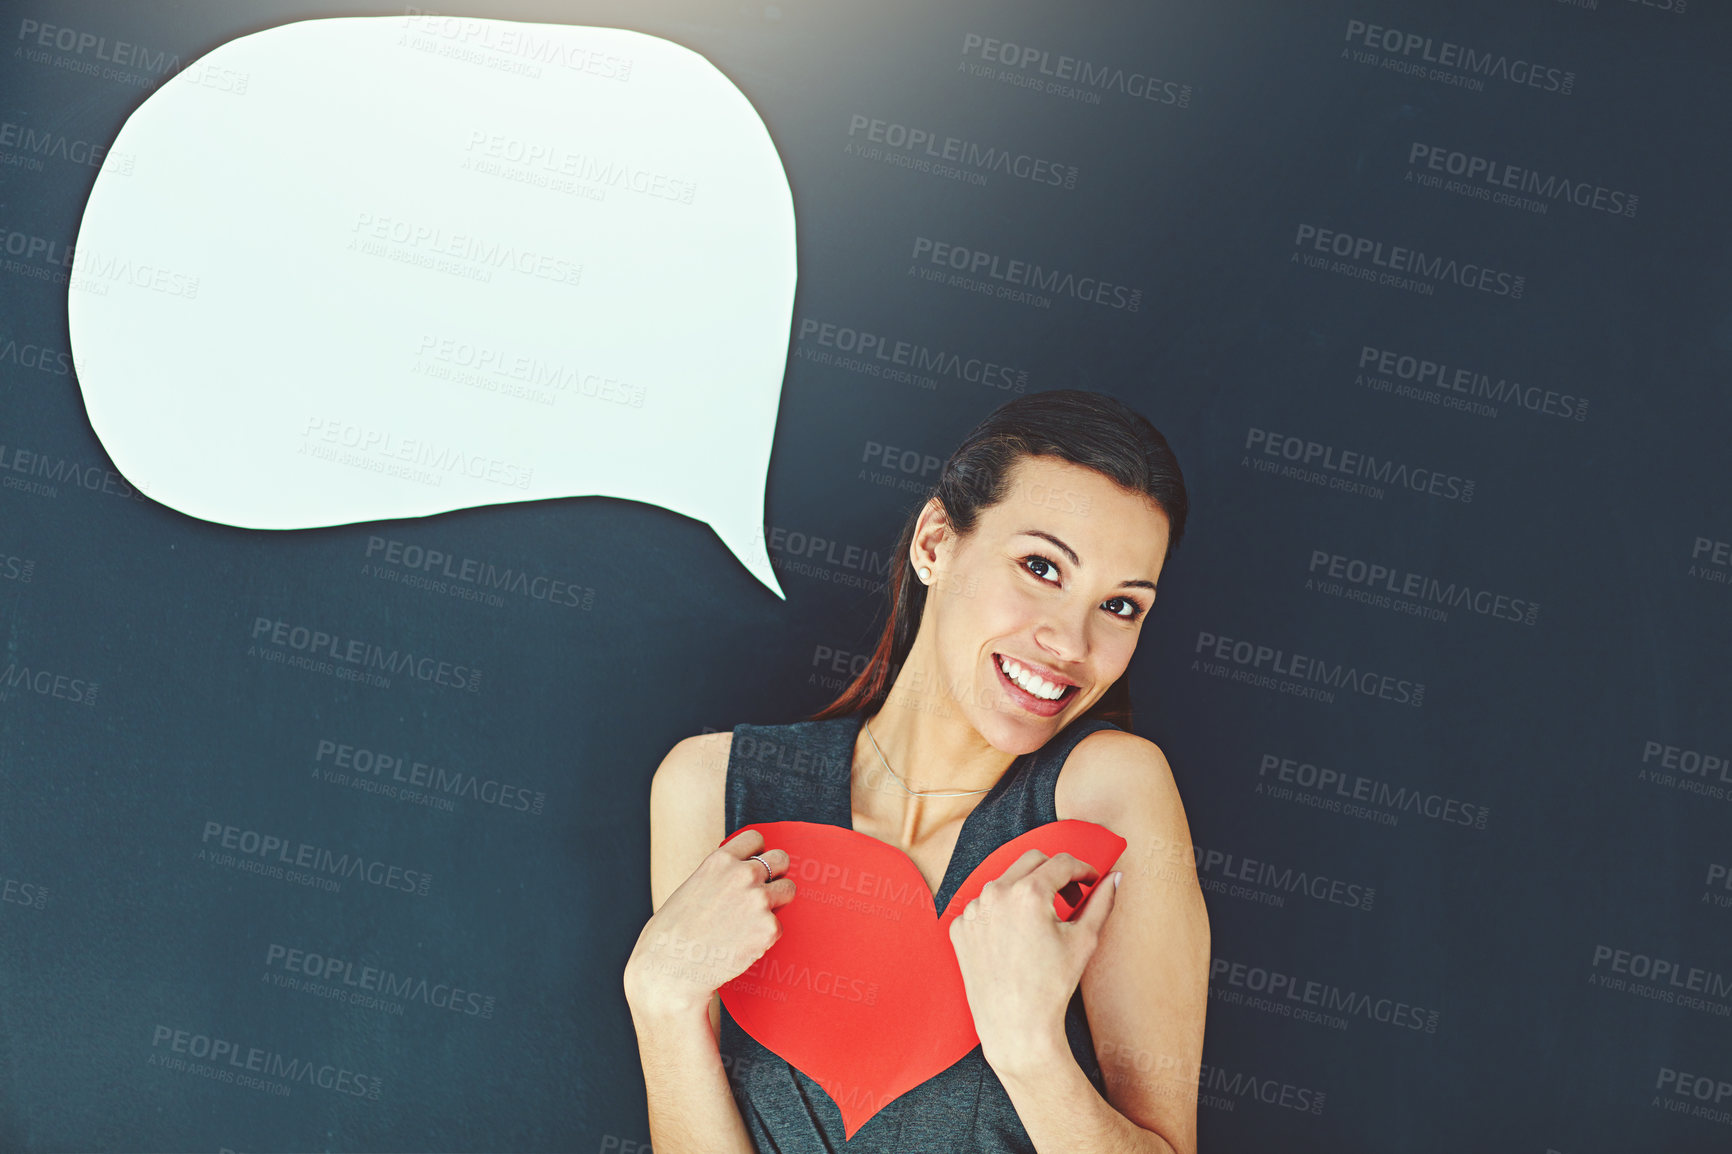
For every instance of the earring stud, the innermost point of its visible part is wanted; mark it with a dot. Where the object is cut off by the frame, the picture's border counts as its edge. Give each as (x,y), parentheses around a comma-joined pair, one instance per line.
(925,575)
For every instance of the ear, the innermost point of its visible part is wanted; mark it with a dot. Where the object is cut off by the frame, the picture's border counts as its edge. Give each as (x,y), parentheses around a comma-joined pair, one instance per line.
(931,532)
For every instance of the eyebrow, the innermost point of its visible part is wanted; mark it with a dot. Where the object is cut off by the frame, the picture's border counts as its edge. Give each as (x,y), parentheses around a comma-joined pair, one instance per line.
(1077,561)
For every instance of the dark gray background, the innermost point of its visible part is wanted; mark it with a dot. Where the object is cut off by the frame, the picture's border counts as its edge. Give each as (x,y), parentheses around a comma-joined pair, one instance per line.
(112,927)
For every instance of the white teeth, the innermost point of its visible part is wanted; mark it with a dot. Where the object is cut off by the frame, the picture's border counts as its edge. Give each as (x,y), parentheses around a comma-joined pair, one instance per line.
(1039,686)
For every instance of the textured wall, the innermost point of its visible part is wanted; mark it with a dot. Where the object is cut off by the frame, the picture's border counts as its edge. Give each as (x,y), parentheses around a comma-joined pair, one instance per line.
(1434,302)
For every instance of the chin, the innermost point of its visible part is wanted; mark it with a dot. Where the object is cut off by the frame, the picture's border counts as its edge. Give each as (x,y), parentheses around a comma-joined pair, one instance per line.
(1015,735)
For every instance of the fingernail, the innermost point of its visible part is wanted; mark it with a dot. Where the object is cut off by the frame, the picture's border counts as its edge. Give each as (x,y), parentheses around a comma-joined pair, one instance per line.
(1116,875)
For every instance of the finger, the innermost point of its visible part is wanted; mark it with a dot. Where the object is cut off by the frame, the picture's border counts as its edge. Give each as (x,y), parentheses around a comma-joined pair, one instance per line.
(1097,905)
(1060,870)
(1027,863)
(774,864)
(781,892)
(744,844)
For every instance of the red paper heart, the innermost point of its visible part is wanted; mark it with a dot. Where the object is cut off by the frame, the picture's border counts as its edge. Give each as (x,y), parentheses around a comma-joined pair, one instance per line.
(862,992)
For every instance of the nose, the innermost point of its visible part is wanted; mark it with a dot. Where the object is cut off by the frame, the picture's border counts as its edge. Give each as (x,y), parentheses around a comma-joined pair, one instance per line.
(1064,635)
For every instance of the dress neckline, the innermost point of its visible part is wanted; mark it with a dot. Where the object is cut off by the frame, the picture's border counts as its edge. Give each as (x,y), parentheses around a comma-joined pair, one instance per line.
(949,883)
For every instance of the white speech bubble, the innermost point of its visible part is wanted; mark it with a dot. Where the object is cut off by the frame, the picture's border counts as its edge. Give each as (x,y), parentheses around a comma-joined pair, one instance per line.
(362,268)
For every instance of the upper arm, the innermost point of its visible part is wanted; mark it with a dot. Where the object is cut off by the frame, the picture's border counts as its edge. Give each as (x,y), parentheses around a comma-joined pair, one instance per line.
(1146,987)
(688,818)
(687,805)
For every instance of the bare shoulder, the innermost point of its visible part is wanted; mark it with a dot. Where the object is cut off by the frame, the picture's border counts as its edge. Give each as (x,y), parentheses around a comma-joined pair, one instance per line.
(689,786)
(1146,987)
(1113,776)
(695,763)
(688,801)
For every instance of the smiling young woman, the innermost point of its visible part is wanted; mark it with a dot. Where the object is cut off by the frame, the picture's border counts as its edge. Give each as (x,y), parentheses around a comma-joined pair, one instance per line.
(995,702)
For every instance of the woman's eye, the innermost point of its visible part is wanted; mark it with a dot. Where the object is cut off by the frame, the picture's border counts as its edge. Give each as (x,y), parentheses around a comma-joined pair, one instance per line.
(1135,609)
(1037,559)
(1130,611)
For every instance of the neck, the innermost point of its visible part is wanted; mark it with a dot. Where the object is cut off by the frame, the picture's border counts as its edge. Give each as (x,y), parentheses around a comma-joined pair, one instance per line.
(928,740)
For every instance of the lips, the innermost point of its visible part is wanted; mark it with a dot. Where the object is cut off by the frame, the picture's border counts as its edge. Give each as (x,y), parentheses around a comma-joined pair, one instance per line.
(1027,700)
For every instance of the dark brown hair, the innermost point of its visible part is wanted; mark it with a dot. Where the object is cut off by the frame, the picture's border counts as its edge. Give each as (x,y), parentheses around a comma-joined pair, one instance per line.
(1088,429)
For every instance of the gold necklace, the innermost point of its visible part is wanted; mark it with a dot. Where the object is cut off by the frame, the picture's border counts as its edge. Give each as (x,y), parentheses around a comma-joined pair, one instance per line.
(923,792)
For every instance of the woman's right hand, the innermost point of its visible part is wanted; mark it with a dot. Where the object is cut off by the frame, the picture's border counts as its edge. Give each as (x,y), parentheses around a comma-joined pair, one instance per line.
(718,922)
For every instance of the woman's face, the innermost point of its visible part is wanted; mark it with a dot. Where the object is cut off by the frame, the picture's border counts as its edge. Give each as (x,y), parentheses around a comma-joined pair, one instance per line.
(1057,580)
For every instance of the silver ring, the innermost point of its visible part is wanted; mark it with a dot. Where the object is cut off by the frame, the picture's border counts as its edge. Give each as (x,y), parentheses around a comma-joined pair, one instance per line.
(768,872)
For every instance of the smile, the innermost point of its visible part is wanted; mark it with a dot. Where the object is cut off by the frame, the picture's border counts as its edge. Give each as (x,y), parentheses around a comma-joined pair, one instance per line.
(1044,695)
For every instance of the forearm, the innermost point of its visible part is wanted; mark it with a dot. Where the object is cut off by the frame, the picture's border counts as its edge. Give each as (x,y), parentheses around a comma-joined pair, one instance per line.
(691,1106)
(1061,1109)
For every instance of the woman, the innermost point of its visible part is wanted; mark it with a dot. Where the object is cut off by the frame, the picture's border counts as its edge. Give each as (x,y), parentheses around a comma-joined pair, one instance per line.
(995,702)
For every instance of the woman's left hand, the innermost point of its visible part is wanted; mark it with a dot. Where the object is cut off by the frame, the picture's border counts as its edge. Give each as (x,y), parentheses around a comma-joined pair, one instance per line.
(1020,964)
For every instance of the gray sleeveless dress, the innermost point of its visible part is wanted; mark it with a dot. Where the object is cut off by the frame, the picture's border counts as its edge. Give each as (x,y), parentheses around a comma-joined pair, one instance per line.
(800,772)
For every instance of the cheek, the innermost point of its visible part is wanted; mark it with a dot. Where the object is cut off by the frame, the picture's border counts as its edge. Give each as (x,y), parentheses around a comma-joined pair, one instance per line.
(974,618)
(1114,651)
(1009,605)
